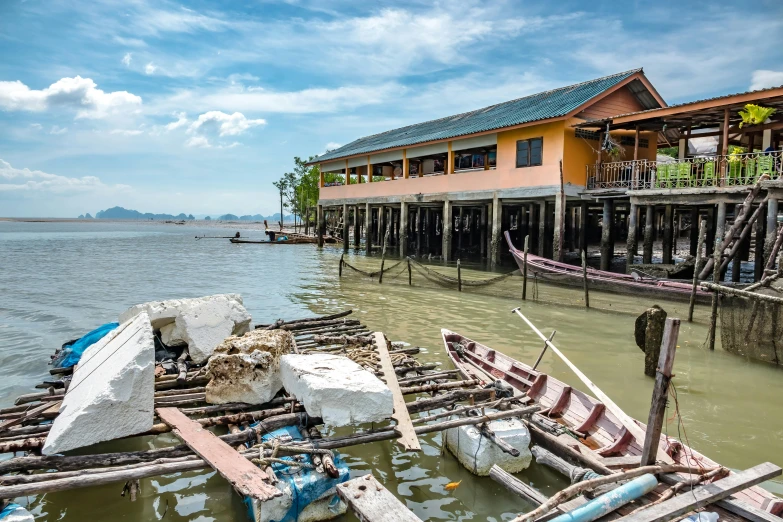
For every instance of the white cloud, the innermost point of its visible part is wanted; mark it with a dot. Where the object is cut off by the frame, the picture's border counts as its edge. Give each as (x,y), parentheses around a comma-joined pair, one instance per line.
(199,142)
(36,126)
(182,119)
(763,79)
(126,60)
(130,42)
(332,146)
(56,129)
(126,132)
(228,124)
(13,179)
(81,94)
(150,68)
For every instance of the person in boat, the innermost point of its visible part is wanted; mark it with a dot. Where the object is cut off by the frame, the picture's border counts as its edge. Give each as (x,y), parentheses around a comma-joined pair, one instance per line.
(268,231)
(236,235)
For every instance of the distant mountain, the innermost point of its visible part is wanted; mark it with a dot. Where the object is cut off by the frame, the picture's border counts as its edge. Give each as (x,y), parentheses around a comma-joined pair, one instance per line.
(85,216)
(123,213)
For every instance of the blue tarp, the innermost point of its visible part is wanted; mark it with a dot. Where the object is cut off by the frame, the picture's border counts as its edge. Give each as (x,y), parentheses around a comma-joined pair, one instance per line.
(307,485)
(15,513)
(72,351)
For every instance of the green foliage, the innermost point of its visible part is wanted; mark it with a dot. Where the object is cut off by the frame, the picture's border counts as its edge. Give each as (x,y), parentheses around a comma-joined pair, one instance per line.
(755,114)
(674,152)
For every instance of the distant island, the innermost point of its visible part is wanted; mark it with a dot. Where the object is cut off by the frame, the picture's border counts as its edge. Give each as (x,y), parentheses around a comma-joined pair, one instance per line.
(124,213)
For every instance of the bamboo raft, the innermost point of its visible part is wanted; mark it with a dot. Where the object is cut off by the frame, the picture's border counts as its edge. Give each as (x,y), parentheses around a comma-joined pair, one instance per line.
(575,424)
(180,407)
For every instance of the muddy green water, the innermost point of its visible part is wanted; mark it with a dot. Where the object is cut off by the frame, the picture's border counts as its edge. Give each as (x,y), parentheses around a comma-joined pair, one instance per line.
(59,280)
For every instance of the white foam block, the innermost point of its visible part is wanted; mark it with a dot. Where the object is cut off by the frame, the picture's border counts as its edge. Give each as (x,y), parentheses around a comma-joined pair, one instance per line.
(162,313)
(336,389)
(477,453)
(206,324)
(112,391)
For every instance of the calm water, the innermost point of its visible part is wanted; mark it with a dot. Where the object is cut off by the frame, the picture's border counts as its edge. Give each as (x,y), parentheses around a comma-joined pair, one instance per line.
(60,280)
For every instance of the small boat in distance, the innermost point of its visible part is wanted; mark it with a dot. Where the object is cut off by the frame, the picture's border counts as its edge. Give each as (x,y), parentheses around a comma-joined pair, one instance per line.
(290,240)
(578,418)
(635,284)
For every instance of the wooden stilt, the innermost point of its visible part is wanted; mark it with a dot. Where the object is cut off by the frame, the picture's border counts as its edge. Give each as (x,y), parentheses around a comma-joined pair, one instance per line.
(607,239)
(698,254)
(630,244)
(649,225)
(584,279)
(524,269)
(715,296)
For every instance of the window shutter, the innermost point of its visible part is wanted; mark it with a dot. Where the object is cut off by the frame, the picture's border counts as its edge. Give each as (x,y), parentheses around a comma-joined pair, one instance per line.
(523,153)
(536,146)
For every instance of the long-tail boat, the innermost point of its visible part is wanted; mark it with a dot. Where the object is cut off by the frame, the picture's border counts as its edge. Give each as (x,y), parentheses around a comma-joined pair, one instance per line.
(292,240)
(633,284)
(584,423)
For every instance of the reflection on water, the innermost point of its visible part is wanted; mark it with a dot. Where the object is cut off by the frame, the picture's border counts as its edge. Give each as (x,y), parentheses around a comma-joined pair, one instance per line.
(60,280)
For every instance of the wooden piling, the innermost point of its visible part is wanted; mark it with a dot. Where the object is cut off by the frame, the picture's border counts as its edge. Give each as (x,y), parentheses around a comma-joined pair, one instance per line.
(383,253)
(340,267)
(584,279)
(410,276)
(660,392)
(524,269)
(647,247)
(715,279)
(459,276)
(607,237)
(702,235)
(630,244)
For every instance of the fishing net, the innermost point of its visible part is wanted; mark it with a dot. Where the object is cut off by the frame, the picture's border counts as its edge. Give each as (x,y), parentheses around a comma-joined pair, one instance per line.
(752,328)
(474,279)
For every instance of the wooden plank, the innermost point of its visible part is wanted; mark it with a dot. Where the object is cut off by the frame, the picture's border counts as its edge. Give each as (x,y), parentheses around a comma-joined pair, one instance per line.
(663,375)
(240,472)
(623,462)
(707,494)
(404,425)
(29,414)
(371,502)
(516,486)
(731,504)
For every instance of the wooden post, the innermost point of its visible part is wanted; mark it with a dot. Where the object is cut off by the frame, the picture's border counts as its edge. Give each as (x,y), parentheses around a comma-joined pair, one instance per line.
(357,229)
(584,279)
(346,224)
(483,227)
(715,279)
(369,171)
(321,226)
(419,230)
(630,244)
(368,228)
(583,215)
(560,212)
(772,229)
(668,218)
(702,235)
(449,168)
(410,275)
(542,228)
(607,237)
(761,232)
(524,269)
(403,233)
(340,266)
(497,213)
(459,276)
(448,221)
(347,173)
(660,392)
(649,224)
(405,164)
(694,232)
(461,227)
(383,254)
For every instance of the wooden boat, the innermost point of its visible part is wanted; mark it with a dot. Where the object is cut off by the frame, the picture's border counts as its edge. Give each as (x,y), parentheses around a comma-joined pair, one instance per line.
(632,284)
(296,240)
(584,422)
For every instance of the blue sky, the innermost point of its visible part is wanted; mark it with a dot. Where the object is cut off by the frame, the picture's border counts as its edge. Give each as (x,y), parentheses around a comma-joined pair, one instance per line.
(198,106)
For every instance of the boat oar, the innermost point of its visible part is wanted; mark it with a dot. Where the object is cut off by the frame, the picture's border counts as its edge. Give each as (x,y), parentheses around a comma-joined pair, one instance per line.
(629,424)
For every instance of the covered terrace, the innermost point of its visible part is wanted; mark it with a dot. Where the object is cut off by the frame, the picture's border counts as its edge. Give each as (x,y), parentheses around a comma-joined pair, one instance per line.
(715,148)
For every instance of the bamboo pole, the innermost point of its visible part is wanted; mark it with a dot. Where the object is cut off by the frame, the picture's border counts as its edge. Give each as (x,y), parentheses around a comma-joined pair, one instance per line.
(702,236)
(714,304)
(741,293)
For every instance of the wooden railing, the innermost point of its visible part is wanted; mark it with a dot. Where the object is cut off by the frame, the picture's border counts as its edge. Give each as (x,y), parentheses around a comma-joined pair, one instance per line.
(715,171)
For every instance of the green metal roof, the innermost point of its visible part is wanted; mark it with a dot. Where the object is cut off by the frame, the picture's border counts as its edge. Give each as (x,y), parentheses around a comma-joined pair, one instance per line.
(542,106)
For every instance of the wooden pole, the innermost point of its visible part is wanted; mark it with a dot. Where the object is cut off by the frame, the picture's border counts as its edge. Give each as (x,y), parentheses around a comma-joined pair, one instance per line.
(516,486)
(383,253)
(715,278)
(410,278)
(742,293)
(584,279)
(702,235)
(340,266)
(459,276)
(524,269)
(660,392)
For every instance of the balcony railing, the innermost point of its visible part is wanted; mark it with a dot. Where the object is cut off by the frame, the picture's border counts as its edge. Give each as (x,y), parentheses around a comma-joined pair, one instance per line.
(714,171)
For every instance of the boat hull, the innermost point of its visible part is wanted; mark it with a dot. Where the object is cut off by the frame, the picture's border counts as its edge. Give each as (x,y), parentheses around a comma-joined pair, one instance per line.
(563,274)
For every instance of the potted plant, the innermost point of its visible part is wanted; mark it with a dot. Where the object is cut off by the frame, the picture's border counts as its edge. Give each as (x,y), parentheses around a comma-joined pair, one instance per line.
(755,114)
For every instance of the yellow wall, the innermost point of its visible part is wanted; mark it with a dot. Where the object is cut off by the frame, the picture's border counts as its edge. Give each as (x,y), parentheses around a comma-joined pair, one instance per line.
(546,174)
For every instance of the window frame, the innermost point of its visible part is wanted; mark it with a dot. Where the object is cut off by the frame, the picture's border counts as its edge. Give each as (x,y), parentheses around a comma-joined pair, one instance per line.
(529,142)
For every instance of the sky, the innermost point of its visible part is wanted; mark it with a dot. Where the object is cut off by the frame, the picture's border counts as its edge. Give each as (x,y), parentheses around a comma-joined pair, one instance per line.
(198,106)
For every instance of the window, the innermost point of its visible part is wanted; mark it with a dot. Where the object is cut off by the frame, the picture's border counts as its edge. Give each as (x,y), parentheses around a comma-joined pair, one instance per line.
(587,135)
(530,152)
